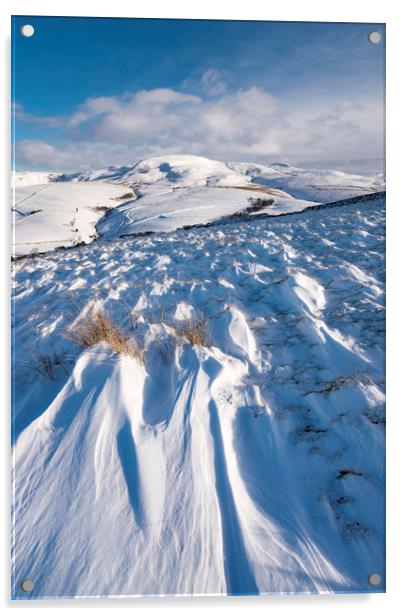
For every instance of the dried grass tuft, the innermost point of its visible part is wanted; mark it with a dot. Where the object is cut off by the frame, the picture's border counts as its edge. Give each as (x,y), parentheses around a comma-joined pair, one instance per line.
(99,327)
(194,331)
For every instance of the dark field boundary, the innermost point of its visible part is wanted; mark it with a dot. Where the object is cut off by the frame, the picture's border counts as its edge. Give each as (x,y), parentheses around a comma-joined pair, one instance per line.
(231,219)
(238,217)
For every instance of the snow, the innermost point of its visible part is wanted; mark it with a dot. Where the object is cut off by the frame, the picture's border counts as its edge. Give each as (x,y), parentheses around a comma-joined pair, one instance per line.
(47,216)
(181,170)
(32,178)
(169,192)
(254,464)
(164,211)
(322,185)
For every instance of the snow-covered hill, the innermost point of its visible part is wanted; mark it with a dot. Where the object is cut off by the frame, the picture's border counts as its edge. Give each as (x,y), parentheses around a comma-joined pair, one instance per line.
(32,178)
(168,193)
(187,171)
(251,463)
(47,216)
(321,185)
(181,170)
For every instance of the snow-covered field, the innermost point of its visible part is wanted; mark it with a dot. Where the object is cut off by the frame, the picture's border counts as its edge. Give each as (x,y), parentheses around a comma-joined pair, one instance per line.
(253,463)
(47,216)
(163,194)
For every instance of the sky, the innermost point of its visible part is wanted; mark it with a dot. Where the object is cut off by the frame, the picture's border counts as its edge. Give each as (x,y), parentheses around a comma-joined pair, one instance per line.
(93,92)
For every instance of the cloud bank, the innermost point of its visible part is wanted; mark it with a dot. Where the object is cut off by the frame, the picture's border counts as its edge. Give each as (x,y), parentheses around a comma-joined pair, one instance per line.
(249,124)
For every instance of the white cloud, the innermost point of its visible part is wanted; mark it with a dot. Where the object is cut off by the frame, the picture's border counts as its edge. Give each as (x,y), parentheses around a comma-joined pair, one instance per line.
(249,124)
(35,154)
(41,154)
(29,118)
(213,83)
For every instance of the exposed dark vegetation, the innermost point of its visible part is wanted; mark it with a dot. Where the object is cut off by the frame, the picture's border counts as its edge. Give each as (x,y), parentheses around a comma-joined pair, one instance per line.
(346,472)
(345,500)
(355,530)
(102,208)
(309,431)
(375,416)
(256,205)
(49,364)
(127,195)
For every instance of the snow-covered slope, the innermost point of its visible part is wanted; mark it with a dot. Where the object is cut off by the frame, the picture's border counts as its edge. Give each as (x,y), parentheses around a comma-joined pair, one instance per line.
(32,178)
(254,463)
(170,192)
(50,215)
(322,185)
(181,170)
(158,211)
(186,171)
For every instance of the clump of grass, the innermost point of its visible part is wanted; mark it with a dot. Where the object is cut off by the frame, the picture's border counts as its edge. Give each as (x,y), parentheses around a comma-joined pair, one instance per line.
(124,197)
(155,317)
(256,205)
(355,530)
(166,349)
(345,472)
(194,331)
(375,416)
(99,327)
(127,195)
(102,208)
(48,364)
(309,432)
(334,385)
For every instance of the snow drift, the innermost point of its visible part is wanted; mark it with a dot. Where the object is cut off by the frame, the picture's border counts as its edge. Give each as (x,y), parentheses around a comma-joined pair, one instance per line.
(253,464)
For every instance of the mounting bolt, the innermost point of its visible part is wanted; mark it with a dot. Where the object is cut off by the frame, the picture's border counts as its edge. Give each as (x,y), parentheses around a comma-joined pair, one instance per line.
(374,579)
(27,585)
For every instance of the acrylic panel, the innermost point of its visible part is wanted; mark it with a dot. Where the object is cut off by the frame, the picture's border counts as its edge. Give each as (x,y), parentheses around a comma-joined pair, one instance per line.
(198,321)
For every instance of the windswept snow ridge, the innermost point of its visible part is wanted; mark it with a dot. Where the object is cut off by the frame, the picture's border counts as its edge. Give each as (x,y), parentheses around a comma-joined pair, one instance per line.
(252,464)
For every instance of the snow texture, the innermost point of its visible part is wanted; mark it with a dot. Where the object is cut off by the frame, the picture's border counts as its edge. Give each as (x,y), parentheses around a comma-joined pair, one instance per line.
(163,194)
(252,464)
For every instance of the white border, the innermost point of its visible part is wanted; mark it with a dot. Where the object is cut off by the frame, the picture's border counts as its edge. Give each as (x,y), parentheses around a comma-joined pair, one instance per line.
(292,10)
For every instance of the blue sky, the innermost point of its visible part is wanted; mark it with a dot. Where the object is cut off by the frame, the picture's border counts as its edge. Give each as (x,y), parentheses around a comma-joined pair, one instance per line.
(92,92)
